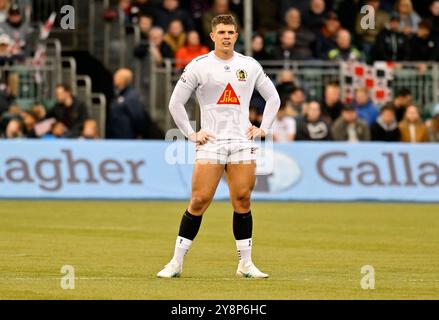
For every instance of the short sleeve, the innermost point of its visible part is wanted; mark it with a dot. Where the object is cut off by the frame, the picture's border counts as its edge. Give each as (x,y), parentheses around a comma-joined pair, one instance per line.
(188,78)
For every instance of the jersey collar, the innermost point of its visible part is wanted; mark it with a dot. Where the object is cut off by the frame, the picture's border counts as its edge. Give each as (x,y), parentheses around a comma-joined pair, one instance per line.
(222,60)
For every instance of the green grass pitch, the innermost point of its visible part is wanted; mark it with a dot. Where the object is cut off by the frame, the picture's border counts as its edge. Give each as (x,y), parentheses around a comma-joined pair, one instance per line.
(311,251)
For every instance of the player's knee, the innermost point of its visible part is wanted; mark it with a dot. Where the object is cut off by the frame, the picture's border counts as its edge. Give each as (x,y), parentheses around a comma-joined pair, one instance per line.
(199,201)
(242,200)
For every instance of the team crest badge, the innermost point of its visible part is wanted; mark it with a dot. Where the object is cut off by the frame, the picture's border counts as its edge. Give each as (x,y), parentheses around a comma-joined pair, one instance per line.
(241,74)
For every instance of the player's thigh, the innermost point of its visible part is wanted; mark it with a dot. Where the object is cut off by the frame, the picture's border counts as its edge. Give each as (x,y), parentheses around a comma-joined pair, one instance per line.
(241,178)
(205,178)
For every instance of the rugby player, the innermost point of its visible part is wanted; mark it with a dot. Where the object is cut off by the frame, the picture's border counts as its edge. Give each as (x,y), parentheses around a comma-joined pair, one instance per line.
(223,81)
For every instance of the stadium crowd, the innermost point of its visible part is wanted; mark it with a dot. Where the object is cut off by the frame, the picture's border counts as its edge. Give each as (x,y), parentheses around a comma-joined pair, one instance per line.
(283,30)
(398,120)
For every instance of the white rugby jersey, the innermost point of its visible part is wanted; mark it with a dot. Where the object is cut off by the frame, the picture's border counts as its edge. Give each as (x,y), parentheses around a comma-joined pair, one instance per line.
(224,89)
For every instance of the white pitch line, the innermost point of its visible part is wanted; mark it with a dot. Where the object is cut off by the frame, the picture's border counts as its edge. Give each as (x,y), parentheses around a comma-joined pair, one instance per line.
(188,278)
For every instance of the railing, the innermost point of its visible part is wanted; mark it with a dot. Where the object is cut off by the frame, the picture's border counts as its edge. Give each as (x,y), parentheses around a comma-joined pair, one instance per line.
(161,85)
(423,81)
(92,32)
(98,113)
(118,37)
(84,90)
(30,83)
(96,102)
(69,73)
(313,76)
(421,78)
(41,10)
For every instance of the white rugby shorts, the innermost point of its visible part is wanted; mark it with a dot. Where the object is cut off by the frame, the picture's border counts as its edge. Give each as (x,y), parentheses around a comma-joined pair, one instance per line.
(227,151)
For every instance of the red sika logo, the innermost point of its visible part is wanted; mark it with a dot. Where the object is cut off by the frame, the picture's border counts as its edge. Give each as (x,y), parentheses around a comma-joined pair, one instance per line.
(229,96)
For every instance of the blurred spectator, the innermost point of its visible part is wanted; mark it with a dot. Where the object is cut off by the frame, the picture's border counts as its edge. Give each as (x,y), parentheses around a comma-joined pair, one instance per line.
(5,118)
(39,111)
(409,19)
(349,128)
(286,83)
(412,128)
(327,37)
(14,110)
(4,8)
(14,129)
(391,44)
(287,48)
(142,46)
(266,13)
(191,50)
(433,125)
(57,131)
(124,11)
(29,122)
(305,39)
(344,50)
(386,126)
(5,43)
(434,19)
(126,118)
(314,17)
(347,12)
(18,30)
(368,35)
(145,26)
(285,5)
(284,126)
(143,8)
(296,102)
(366,109)
(11,112)
(68,111)
(90,130)
(258,48)
(196,8)
(332,105)
(425,48)
(218,7)
(403,99)
(6,98)
(155,46)
(43,125)
(312,127)
(170,11)
(175,37)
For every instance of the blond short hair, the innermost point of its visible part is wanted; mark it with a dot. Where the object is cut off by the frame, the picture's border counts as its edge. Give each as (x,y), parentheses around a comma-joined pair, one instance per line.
(224,19)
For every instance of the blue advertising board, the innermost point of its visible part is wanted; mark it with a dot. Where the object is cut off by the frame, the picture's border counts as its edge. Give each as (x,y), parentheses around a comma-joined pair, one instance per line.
(66,169)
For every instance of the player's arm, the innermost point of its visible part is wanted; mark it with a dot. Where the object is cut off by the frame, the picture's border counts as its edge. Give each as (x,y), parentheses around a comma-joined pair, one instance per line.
(181,94)
(272,103)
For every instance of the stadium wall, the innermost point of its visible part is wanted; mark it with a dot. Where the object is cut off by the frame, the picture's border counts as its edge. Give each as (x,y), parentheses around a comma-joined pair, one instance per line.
(65,169)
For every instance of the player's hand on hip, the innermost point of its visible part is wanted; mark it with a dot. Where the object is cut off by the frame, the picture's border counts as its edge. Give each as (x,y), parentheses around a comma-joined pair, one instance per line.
(201,137)
(254,132)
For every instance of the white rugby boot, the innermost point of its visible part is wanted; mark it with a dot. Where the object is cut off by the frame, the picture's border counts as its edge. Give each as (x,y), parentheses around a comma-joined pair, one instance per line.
(249,270)
(172,270)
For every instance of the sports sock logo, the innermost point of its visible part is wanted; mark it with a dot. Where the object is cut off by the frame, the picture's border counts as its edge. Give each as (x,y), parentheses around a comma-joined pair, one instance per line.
(229,96)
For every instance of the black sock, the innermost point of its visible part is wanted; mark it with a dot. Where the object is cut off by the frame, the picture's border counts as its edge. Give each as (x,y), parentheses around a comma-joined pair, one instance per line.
(242,225)
(189,226)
